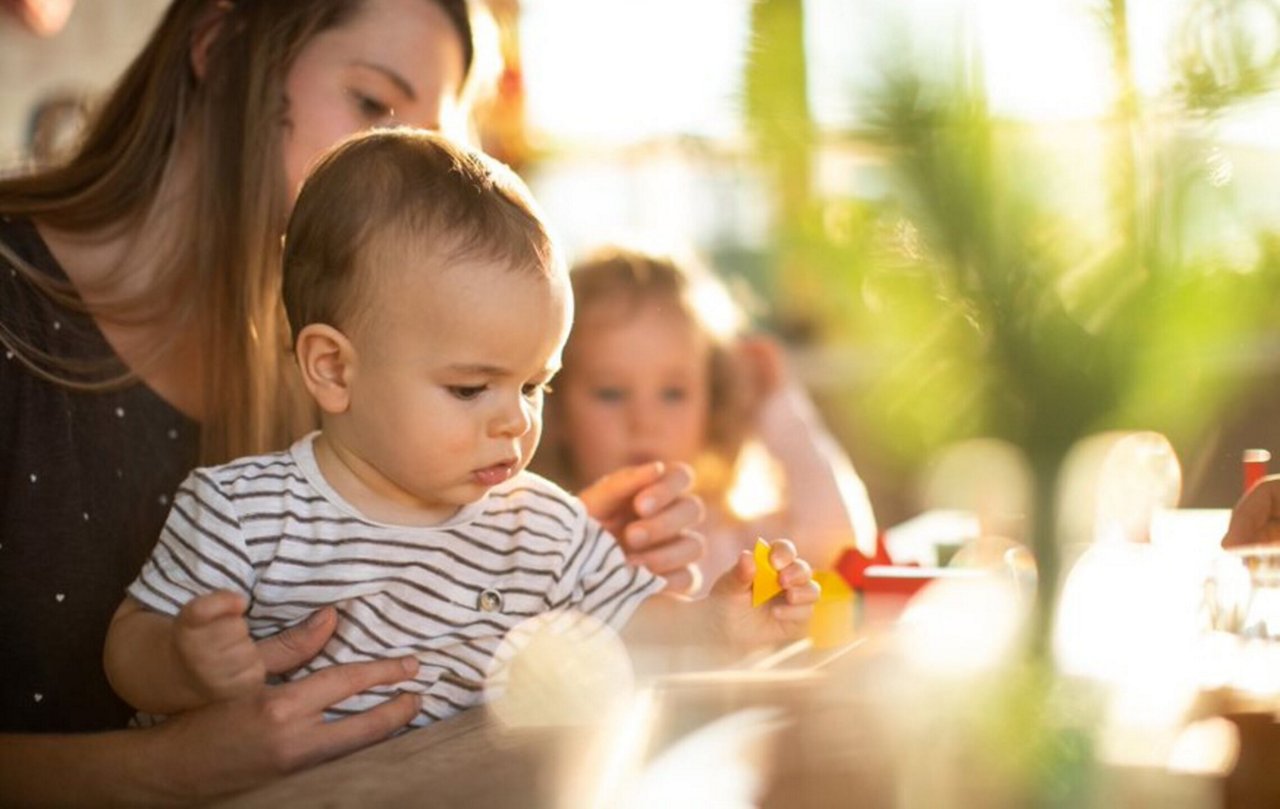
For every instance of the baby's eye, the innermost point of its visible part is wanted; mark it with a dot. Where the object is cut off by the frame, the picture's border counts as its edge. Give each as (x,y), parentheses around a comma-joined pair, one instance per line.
(371,109)
(467,392)
(674,395)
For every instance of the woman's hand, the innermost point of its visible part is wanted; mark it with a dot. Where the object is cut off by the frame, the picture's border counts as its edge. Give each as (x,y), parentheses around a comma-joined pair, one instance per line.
(217,749)
(652,513)
(236,744)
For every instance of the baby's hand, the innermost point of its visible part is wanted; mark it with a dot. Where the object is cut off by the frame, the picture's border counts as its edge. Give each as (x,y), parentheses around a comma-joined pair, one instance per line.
(783,617)
(211,639)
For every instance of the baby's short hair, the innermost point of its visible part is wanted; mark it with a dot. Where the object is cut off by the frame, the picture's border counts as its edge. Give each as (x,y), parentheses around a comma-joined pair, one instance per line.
(404,190)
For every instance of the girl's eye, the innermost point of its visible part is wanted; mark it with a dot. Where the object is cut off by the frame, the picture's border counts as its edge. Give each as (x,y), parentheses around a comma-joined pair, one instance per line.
(371,108)
(466,392)
(609,395)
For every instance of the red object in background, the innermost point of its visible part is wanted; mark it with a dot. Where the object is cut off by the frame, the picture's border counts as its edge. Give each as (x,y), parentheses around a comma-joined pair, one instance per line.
(884,588)
(1255,466)
(880,575)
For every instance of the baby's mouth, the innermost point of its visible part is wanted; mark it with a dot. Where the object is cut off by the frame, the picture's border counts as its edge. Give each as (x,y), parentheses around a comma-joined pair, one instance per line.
(496,473)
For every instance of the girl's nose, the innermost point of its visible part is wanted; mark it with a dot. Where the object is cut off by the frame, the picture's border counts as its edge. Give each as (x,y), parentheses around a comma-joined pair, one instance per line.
(644,420)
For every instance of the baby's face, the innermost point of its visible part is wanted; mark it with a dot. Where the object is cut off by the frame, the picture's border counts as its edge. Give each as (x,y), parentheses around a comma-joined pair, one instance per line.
(639,390)
(447,390)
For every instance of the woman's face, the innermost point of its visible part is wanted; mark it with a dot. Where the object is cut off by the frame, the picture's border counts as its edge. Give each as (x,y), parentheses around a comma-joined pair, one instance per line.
(396,62)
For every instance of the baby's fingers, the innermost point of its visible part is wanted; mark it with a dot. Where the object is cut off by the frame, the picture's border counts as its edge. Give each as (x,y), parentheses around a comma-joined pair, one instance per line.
(782,553)
(795,574)
(211,607)
(803,594)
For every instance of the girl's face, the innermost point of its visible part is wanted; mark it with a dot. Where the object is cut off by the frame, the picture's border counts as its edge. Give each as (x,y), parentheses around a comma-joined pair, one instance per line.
(395,62)
(638,390)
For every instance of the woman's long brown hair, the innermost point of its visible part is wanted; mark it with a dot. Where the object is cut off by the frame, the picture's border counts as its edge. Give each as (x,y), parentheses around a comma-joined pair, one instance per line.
(221,271)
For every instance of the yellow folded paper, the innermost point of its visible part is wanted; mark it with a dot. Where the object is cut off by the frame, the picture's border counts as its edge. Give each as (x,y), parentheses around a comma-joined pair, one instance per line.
(766,584)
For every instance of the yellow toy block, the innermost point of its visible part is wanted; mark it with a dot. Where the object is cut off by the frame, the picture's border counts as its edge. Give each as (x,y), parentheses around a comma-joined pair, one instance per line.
(766,584)
(833,621)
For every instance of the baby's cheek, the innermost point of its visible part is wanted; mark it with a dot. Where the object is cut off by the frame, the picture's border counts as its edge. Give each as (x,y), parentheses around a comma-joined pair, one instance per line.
(529,443)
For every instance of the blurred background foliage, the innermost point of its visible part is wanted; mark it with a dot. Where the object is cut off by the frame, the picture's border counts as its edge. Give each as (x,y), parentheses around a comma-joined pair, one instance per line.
(985,301)
(984,296)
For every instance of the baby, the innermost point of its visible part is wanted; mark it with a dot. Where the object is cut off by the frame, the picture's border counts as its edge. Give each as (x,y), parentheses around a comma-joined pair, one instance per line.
(429,308)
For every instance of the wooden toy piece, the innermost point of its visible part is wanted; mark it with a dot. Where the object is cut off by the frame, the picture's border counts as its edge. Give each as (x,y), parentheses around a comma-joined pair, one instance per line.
(833,618)
(766,584)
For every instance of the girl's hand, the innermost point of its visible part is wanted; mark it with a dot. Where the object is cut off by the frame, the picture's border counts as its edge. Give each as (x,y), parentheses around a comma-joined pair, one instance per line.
(765,362)
(650,510)
(785,616)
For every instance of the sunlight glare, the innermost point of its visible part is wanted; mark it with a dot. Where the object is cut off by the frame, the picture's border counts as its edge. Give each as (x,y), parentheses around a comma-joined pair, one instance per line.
(757,483)
(624,72)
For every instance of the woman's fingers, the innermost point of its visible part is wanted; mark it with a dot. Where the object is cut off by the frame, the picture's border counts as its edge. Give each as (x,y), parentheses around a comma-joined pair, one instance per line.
(286,650)
(360,730)
(332,685)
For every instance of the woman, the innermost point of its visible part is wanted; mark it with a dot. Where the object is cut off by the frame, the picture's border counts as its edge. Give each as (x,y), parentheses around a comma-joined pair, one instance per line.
(143,334)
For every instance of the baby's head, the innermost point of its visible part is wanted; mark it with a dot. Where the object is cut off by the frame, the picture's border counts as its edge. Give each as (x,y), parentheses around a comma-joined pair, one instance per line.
(649,370)
(429,307)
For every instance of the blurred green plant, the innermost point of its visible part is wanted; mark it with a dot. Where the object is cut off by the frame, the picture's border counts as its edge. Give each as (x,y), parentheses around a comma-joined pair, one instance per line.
(988,305)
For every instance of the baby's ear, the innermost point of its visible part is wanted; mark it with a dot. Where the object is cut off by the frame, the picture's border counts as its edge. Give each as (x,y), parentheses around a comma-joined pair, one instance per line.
(327,361)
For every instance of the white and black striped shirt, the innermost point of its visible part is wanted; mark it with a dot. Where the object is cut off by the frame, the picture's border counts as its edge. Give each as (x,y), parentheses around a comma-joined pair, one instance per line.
(271,528)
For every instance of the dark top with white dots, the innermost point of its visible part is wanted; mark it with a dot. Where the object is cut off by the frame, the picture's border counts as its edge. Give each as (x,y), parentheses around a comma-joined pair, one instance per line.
(85,483)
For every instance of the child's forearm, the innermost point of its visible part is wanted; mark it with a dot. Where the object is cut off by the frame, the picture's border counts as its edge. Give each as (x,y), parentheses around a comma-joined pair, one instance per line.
(142,663)
(828,508)
(670,633)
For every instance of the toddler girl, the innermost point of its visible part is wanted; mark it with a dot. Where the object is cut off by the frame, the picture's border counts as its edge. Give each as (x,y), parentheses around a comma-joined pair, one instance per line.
(656,368)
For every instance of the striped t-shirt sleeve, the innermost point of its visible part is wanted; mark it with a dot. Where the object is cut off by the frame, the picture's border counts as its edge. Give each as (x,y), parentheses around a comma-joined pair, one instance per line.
(201,549)
(601,583)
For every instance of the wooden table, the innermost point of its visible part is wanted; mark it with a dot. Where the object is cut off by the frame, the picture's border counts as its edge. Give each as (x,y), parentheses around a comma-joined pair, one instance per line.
(461,761)
(835,750)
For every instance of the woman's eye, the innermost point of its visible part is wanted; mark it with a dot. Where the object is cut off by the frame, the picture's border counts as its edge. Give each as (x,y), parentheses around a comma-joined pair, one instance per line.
(371,108)
(533,390)
(466,392)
